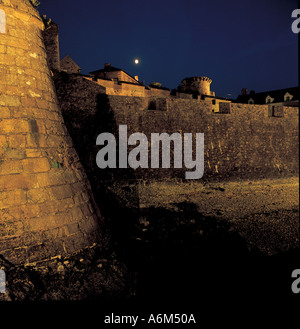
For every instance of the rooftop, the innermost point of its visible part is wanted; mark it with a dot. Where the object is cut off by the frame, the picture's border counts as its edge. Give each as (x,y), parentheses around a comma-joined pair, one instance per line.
(107,68)
(278,95)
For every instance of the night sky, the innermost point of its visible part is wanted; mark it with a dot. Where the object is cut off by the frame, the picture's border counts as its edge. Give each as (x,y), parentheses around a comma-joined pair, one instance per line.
(238,44)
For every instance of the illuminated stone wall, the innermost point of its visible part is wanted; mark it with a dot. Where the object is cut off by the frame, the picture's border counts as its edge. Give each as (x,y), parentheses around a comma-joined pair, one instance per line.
(241,141)
(123,89)
(46,207)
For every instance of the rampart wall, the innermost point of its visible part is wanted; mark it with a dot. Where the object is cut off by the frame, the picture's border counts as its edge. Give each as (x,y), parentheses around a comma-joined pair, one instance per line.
(241,142)
(244,143)
(121,88)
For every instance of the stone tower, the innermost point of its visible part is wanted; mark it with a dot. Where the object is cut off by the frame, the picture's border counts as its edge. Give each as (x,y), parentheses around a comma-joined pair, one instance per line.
(197,85)
(51,40)
(46,207)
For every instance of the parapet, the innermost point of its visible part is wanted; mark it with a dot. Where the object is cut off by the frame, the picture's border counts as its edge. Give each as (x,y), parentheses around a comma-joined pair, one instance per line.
(193,79)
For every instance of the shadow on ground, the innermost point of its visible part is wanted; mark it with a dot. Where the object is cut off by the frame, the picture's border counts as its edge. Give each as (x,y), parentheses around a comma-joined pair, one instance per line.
(160,259)
(180,256)
(176,253)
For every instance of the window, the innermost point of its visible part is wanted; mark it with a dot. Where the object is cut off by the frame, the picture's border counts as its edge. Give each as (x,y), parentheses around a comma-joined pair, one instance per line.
(271,111)
(288,97)
(269,99)
(250,101)
(152,105)
(275,111)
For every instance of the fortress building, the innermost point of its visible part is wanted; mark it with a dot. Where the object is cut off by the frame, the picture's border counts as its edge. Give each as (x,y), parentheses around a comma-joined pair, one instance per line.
(67,64)
(112,73)
(197,86)
(115,81)
(46,206)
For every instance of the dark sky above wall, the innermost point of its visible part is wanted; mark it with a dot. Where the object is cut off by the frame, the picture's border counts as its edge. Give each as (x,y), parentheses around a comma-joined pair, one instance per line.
(237,43)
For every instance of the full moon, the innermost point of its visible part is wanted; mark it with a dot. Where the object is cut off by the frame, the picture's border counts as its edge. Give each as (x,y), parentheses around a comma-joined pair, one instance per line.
(136,61)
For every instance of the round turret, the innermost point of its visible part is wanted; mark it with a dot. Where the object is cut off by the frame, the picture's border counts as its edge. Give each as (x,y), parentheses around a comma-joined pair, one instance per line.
(46,207)
(196,85)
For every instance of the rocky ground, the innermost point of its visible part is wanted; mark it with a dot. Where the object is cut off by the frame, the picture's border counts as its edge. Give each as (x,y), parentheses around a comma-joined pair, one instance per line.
(88,275)
(174,245)
(265,213)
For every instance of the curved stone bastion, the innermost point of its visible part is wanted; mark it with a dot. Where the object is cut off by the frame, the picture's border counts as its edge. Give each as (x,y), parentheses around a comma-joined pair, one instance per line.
(46,207)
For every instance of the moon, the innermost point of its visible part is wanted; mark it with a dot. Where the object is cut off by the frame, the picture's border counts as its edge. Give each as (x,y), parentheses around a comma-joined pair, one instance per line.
(136,61)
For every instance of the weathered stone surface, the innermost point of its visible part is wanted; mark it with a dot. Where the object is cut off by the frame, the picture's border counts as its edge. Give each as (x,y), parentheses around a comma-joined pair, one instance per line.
(241,141)
(40,173)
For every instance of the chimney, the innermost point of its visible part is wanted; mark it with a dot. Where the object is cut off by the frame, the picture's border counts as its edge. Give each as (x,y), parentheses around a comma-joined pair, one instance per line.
(244,91)
(136,77)
(107,65)
(252,92)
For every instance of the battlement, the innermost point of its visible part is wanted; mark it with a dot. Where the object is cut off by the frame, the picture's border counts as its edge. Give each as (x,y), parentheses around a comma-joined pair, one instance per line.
(192,79)
(196,85)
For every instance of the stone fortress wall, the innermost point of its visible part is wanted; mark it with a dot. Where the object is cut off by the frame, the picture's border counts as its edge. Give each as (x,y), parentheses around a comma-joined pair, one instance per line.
(46,205)
(241,141)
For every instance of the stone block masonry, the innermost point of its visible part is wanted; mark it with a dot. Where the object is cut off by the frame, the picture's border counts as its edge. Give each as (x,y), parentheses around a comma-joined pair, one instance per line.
(46,205)
(241,141)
